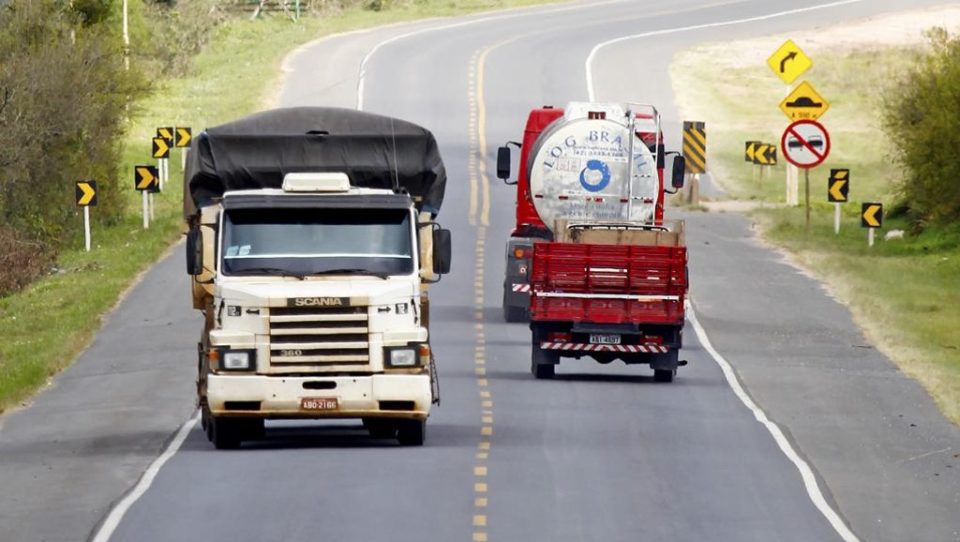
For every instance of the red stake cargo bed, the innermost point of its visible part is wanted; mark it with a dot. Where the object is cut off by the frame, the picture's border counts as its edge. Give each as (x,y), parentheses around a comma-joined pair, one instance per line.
(608,284)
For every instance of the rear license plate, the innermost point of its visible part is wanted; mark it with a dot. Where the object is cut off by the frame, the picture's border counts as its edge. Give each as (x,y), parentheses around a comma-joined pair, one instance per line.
(319,403)
(604,339)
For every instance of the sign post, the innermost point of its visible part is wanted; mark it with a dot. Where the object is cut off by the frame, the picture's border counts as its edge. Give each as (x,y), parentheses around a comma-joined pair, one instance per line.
(146,180)
(788,63)
(806,144)
(838,191)
(181,140)
(871,217)
(695,153)
(86,195)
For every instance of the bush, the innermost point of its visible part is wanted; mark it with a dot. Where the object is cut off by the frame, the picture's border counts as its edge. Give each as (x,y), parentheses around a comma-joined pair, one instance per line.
(63,97)
(21,260)
(922,117)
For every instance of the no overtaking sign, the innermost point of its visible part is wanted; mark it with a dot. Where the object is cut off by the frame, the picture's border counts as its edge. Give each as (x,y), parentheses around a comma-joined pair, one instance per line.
(805,144)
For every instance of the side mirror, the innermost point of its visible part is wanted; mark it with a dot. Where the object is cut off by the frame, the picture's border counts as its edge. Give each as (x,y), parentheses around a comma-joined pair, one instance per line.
(679,170)
(194,252)
(442,251)
(503,163)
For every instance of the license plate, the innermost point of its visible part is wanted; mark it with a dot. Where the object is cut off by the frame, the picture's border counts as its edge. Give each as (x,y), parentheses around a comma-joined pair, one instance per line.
(319,403)
(604,339)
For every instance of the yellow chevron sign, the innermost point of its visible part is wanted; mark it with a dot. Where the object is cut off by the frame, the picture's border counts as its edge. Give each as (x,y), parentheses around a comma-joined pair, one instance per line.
(86,192)
(161,148)
(183,136)
(166,133)
(765,154)
(750,153)
(146,178)
(871,215)
(838,188)
(695,146)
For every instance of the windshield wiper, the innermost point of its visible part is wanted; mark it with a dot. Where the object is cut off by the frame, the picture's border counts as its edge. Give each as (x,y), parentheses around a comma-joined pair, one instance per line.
(354,271)
(277,271)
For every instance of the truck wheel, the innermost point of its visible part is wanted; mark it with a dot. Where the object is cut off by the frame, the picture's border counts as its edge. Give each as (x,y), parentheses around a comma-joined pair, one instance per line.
(412,432)
(542,371)
(225,433)
(380,428)
(664,375)
(512,313)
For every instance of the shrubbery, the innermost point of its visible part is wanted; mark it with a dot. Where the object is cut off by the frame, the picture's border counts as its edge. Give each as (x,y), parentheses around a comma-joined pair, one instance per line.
(922,118)
(63,92)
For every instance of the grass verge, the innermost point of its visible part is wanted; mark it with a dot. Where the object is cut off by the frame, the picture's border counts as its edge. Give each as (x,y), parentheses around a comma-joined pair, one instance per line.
(905,294)
(46,325)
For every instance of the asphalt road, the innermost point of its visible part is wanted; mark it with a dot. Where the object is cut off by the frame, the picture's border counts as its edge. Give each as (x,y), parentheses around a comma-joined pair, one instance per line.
(600,453)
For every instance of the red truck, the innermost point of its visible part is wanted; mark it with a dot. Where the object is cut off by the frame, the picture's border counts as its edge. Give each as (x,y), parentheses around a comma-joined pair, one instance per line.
(591,262)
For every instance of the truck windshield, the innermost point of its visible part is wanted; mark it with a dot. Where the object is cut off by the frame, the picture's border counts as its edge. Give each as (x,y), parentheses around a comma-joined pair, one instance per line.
(302,242)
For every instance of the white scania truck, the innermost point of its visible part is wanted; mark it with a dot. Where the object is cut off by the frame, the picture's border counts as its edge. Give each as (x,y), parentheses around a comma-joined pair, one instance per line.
(311,243)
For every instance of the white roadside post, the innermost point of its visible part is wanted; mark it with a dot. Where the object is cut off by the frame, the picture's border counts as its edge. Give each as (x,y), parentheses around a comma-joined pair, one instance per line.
(86,227)
(86,196)
(146,181)
(838,191)
(871,217)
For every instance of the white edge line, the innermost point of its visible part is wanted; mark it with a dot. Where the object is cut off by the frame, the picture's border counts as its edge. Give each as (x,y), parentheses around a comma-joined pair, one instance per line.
(510,14)
(591,91)
(806,473)
(113,519)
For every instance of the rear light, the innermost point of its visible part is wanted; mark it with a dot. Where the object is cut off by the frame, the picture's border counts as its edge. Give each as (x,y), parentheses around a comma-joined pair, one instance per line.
(559,337)
(521,253)
(652,340)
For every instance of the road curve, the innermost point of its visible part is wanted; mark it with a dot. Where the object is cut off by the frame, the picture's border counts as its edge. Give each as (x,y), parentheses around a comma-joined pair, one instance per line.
(600,453)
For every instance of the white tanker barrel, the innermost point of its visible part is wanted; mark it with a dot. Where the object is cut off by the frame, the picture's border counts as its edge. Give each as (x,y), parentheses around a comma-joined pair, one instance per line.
(578,171)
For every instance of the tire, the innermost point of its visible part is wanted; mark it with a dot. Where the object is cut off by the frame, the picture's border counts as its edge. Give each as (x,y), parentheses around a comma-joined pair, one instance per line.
(664,375)
(225,433)
(412,432)
(380,429)
(542,371)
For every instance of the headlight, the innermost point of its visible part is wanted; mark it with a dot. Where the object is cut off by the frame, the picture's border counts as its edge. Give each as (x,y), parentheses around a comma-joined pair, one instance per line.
(402,357)
(237,360)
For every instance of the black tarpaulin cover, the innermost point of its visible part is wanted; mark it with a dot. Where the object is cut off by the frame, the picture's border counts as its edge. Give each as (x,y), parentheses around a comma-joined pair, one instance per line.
(258,150)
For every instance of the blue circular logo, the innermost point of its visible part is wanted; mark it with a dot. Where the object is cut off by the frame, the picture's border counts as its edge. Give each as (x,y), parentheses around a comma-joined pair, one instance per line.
(596,176)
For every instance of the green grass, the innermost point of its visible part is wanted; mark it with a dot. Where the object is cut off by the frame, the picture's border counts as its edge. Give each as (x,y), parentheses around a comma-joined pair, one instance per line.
(46,325)
(904,294)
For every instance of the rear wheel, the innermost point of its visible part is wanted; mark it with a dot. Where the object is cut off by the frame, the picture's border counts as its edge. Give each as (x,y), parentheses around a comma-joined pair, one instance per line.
(412,432)
(664,375)
(380,428)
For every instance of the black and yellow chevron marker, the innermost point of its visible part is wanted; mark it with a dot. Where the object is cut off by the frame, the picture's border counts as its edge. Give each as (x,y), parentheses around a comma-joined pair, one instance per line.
(86,193)
(871,215)
(695,146)
(838,188)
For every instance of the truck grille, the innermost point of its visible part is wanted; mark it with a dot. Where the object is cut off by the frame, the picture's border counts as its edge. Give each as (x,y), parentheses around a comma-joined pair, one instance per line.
(304,337)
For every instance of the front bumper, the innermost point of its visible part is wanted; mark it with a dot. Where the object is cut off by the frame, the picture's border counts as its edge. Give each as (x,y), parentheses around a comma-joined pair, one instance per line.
(279,397)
